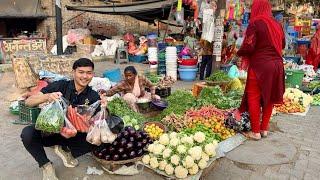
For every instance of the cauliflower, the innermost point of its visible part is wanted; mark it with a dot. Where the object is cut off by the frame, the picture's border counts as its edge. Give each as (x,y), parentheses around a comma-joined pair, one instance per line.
(175,159)
(162,165)
(187,140)
(173,135)
(188,162)
(164,139)
(210,149)
(181,172)
(154,163)
(181,149)
(202,164)
(195,152)
(146,159)
(215,143)
(199,137)
(194,169)
(205,156)
(169,169)
(166,153)
(174,142)
(151,148)
(158,149)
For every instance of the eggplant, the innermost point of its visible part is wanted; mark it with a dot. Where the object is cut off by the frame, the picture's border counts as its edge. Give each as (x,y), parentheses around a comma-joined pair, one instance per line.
(123,142)
(132,132)
(125,134)
(115,157)
(144,142)
(139,136)
(100,155)
(115,143)
(129,146)
(104,151)
(143,134)
(150,141)
(139,152)
(128,128)
(139,145)
(111,150)
(108,157)
(124,156)
(131,139)
(132,154)
(121,150)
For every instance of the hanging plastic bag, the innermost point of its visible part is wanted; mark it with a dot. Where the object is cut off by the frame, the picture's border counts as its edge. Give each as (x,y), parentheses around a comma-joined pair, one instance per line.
(99,131)
(80,116)
(51,117)
(68,130)
(115,124)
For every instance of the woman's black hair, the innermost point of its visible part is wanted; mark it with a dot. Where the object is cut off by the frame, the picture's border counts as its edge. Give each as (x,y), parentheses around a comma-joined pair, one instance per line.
(82,62)
(131,69)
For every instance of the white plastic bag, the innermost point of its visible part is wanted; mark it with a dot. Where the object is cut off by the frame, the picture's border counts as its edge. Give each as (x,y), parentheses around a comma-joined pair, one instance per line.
(68,130)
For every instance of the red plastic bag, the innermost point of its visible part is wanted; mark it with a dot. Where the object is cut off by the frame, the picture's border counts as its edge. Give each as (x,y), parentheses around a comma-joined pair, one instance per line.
(68,130)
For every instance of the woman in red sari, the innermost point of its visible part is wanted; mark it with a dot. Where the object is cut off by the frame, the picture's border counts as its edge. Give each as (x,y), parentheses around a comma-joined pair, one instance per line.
(265,86)
(313,57)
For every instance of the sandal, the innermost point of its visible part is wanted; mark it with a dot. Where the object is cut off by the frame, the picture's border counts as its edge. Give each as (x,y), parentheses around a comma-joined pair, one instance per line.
(252,136)
(264,134)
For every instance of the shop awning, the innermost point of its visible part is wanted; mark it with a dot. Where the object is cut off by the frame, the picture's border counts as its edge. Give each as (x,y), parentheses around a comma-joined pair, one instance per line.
(143,10)
(21,9)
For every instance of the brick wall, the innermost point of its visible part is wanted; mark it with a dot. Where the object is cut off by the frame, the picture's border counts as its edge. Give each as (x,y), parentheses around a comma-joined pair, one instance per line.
(103,24)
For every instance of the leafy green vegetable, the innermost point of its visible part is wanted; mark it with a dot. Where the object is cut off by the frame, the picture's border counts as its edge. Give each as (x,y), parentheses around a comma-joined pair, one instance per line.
(179,102)
(120,108)
(219,76)
(51,118)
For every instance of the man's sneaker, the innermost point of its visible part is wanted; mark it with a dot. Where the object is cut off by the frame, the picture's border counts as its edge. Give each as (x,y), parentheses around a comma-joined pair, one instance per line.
(48,172)
(67,158)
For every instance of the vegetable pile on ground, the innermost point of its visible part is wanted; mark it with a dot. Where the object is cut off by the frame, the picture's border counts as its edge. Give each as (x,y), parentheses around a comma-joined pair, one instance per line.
(314,84)
(153,130)
(219,76)
(179,102)
(297,97)
(289,106)
(210,117)
(215,96)
(153,78)
(165,82)
(129,144)
(316,100)
(128,121)
(120,108)
(180,154)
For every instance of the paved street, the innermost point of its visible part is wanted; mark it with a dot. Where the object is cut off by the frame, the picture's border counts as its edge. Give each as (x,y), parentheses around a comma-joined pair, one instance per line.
(291,152)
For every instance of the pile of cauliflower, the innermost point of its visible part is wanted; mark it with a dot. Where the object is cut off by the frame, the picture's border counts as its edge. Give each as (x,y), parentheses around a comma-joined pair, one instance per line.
(298,96)
(179,154)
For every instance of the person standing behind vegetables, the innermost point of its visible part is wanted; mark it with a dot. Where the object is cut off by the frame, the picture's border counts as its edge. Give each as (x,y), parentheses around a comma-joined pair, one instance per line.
(265,87)
(132,88)
(206,63)
(77,92)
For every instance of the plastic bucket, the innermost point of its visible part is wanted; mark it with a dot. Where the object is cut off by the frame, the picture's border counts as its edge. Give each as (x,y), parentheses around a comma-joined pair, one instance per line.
(294,77)
(113,75)
(188,74)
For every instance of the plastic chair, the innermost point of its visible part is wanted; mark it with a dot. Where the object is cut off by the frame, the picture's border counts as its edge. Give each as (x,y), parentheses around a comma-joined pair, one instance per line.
(121,56)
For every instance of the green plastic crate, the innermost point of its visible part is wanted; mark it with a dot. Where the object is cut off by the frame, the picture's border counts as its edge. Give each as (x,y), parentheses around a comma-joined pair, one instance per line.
(27,115)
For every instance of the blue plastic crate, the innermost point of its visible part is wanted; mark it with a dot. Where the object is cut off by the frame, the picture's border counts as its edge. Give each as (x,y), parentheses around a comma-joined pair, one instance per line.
(137,59)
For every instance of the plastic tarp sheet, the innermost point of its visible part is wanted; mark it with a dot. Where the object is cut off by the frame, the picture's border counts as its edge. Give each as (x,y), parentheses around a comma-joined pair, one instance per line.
(143,10)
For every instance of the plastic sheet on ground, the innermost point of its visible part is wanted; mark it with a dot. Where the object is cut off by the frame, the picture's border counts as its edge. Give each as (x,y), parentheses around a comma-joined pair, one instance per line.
(224,147)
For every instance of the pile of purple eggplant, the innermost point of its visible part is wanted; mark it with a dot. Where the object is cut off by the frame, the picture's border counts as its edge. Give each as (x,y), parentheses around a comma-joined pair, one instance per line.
(129,144)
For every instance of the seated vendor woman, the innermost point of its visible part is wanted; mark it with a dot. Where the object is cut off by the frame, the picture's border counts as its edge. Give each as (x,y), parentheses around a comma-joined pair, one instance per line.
(132,88)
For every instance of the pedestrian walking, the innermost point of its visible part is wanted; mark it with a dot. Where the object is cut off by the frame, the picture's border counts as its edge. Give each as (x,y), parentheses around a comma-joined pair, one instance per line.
(265,86)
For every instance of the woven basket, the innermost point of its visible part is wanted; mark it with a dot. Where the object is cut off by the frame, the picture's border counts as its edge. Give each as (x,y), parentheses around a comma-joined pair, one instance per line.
(114,165)
(223,84)
(160,125)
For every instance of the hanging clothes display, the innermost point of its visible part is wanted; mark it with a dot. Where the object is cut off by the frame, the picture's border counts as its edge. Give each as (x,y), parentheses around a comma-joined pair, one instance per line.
(208,25)
(235,9)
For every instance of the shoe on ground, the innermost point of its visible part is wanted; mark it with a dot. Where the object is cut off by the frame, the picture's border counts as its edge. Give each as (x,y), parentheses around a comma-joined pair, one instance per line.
(67,158)
(48,172)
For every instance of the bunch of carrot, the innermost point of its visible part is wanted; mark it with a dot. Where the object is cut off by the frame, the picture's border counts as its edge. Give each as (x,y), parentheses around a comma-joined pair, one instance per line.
(80,122)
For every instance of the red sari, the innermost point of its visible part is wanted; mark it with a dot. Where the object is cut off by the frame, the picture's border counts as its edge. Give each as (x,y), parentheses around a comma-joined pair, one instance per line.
(263,44)
(313,57)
